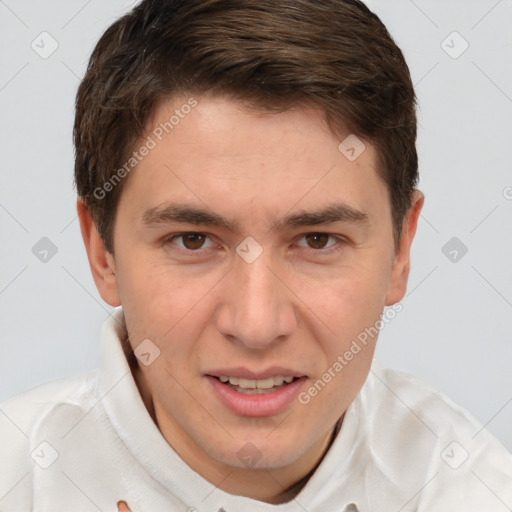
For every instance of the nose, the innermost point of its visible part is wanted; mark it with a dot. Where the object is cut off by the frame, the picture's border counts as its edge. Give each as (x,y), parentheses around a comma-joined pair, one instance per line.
(256,307)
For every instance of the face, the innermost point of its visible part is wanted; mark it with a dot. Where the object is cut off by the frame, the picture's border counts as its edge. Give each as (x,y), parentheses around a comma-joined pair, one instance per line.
(252,252)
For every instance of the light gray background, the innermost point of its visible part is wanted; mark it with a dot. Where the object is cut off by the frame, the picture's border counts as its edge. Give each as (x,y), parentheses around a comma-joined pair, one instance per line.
(454,331)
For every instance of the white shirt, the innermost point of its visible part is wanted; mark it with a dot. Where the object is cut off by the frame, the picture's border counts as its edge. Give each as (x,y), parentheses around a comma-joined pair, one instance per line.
(86,442)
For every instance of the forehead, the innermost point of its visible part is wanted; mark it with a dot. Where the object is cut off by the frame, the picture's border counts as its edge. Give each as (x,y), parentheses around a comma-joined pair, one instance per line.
(220,153)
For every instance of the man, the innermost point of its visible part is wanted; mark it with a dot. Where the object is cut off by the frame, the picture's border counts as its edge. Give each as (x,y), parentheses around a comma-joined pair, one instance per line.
(246,175)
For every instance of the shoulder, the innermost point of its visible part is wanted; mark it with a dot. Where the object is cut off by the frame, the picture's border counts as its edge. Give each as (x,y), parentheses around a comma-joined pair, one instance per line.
(424,431)
(408,397)
(22,419)
(26,409)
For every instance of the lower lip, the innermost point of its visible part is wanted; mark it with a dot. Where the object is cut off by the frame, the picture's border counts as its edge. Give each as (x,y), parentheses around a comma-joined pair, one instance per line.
(257,405)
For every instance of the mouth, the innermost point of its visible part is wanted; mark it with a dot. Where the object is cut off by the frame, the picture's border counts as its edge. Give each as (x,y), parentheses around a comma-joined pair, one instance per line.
(245,395)
(256,386)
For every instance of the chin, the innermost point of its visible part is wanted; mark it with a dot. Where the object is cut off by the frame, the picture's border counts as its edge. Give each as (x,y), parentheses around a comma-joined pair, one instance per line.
(259,452)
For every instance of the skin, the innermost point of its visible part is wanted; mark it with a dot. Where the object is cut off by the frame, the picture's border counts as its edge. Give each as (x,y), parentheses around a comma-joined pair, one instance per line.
(299,305)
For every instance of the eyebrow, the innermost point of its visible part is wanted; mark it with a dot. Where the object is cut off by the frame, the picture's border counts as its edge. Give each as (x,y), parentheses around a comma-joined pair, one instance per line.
(177,212)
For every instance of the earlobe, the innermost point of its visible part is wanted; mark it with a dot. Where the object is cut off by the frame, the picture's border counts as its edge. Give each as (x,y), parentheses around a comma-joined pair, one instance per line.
(101,262)
(402,263)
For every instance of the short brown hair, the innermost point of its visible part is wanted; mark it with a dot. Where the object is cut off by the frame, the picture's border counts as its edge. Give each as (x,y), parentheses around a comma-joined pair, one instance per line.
(271,54)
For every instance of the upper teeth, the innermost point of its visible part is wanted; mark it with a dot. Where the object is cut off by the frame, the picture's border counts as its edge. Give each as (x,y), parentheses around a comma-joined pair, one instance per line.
(256,384)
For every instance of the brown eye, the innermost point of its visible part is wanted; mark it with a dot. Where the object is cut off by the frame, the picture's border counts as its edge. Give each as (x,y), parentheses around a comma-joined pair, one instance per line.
(189,241)
(317,240)
(193,240)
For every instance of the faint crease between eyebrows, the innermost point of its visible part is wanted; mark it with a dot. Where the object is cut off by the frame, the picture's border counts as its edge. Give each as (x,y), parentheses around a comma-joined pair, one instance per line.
(175,212)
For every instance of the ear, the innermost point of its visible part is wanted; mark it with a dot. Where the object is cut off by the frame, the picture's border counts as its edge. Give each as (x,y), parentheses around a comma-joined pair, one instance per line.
(100,260)
(402,263)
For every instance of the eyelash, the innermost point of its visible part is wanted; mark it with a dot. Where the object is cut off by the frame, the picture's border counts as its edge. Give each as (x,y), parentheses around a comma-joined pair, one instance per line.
(340,241)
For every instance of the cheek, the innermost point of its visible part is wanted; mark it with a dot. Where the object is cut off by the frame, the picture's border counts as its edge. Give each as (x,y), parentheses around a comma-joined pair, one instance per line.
(346,320)
(169,307)
(348,303)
